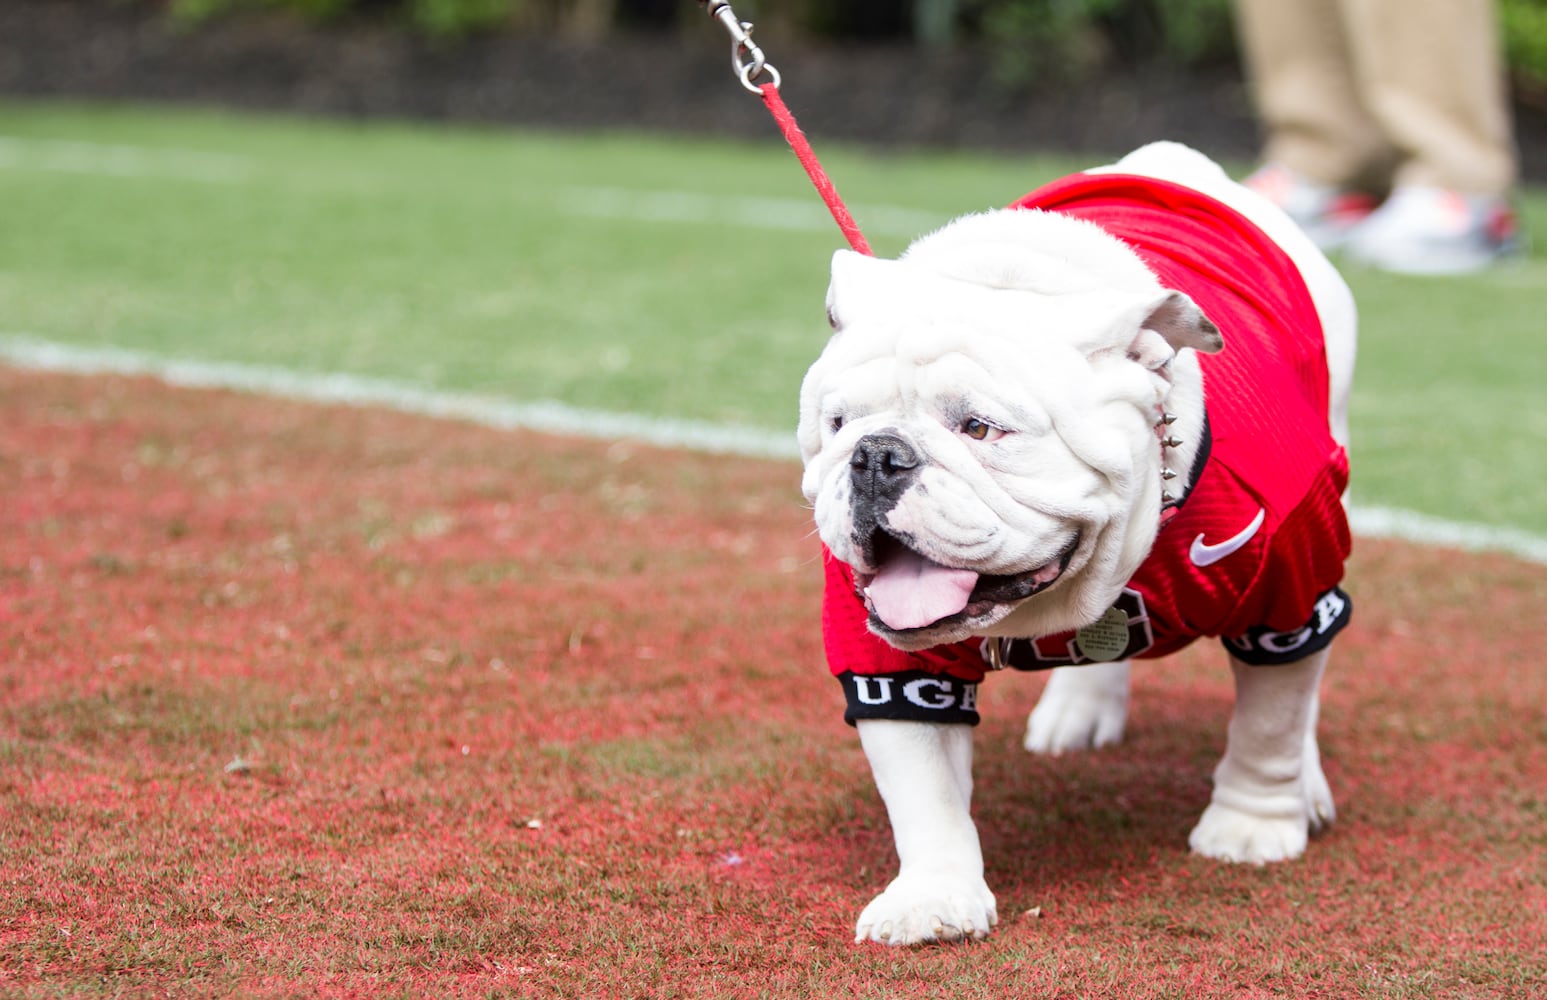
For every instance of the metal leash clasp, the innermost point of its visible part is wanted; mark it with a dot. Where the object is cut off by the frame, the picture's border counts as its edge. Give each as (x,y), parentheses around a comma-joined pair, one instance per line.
(747,60)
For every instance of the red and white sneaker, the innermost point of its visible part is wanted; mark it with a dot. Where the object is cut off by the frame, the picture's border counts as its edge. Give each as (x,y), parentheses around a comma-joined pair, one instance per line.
(1429,230)
(1327,214)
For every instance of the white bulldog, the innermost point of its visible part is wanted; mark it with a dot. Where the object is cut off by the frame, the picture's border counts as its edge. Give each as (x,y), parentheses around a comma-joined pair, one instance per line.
(1017,456)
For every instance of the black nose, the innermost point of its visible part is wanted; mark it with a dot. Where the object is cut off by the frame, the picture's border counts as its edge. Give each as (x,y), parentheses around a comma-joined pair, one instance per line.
(882,466)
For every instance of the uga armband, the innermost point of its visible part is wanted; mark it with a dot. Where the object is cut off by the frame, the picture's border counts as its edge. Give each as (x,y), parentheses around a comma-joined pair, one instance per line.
(1263,647)
(914,695)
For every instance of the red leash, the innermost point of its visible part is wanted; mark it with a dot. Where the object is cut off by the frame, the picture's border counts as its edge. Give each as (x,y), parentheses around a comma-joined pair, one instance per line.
(783,117)
(748,62)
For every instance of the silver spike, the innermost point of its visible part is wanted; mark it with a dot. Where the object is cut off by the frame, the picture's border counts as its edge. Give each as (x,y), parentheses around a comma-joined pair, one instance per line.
(1167,418)
(1167,475)
(1170,441)
(1167,496)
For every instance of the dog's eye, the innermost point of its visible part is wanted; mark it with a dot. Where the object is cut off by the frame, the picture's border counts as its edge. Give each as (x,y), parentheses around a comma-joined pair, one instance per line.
(981,430)
(835,424)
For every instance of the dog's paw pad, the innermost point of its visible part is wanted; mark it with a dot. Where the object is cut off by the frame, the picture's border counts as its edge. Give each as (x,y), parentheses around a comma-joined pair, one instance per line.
(916,910)
(1228,834)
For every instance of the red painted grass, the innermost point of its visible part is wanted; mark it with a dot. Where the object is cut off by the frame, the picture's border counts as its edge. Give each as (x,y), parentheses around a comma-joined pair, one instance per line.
(300,700)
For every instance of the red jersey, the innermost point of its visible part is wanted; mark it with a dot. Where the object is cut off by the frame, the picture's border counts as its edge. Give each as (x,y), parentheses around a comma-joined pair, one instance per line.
(1256,550)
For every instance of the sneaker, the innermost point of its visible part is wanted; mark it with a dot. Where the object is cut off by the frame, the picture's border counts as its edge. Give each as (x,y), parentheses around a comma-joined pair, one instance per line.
(1328,214)
(1428,230)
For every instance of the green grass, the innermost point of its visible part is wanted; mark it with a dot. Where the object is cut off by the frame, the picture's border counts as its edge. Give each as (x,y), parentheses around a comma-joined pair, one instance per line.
(466,259)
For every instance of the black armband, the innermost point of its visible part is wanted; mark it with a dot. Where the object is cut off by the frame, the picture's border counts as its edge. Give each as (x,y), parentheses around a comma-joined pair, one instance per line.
(1262,647)
(913,695)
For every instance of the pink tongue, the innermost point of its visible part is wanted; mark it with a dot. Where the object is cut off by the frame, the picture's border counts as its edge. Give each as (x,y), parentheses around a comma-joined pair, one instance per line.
(912,592)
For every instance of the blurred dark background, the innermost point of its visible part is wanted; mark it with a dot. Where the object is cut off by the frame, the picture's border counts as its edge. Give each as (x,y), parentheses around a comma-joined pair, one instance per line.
(1085,76)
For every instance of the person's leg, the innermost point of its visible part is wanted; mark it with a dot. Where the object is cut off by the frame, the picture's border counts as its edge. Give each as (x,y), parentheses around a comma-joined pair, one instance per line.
(1430,74)
(1303,84)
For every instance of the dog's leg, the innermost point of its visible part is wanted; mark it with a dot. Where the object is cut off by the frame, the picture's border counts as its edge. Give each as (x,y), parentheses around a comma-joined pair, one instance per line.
(1081,708)
(1269,790)
(924,773)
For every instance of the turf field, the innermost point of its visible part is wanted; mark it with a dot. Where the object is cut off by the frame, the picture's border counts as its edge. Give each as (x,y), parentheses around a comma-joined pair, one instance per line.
(323,701)
(306,699)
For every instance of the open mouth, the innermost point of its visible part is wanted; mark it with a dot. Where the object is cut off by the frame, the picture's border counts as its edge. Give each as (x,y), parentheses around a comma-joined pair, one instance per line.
(910,592)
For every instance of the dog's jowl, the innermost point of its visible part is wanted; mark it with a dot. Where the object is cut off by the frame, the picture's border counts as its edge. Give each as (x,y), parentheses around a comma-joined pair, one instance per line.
(1092,427)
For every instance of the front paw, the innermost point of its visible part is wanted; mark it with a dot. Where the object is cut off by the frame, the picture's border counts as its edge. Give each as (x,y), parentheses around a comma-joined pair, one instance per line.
(934,906)
(1230,834)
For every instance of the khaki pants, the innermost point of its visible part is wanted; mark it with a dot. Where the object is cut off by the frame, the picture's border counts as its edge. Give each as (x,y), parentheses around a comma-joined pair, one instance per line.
(1373,93)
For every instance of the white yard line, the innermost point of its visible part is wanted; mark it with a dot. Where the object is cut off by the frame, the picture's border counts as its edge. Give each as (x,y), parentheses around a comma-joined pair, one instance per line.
(358,390)
(560,418)
(693,207)
(110,160)
(100,159)
(1409,525)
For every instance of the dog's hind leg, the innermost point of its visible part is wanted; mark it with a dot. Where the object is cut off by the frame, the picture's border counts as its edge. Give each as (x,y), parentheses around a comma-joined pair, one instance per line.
(1080,709)
(1269,790)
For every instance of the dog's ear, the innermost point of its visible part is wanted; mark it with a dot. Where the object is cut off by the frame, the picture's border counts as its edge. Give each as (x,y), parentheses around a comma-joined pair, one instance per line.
(1171,321)
(1180,323)
(855,278)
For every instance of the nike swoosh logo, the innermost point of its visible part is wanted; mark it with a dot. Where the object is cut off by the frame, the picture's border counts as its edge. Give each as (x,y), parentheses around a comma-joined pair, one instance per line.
(1207,555)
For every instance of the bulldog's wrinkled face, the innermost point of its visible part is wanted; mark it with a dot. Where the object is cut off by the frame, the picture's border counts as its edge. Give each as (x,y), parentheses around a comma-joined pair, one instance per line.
(977,454)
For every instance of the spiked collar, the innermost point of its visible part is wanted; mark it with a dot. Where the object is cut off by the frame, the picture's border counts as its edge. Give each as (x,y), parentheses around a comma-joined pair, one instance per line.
(1170,501)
